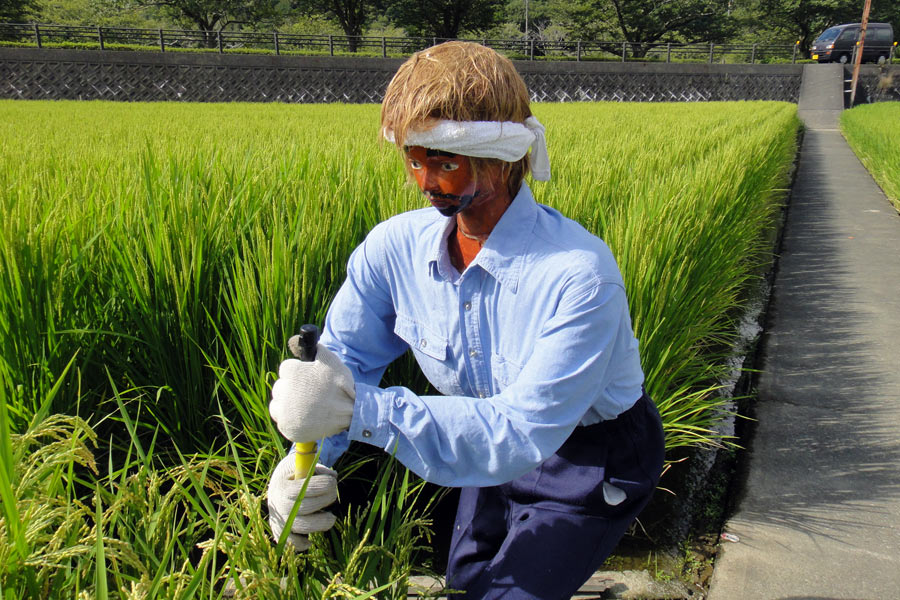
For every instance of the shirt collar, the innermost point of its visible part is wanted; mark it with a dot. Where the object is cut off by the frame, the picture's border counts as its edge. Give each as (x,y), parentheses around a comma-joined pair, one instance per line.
(502,255)
(439,256)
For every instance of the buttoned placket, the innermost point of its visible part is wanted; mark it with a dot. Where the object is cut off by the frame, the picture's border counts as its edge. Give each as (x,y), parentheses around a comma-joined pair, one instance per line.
(470,291)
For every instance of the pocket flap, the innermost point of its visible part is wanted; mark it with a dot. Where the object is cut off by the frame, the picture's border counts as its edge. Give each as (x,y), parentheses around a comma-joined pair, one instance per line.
(420,339)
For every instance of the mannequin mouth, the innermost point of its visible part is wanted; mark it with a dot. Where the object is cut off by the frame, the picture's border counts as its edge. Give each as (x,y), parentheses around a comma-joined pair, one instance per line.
(450,204)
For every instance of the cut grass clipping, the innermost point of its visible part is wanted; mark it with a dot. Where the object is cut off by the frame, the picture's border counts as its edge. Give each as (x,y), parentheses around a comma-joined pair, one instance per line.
(155,258)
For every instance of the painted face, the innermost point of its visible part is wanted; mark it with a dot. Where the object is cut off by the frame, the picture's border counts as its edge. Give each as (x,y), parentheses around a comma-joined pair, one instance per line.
(445,178)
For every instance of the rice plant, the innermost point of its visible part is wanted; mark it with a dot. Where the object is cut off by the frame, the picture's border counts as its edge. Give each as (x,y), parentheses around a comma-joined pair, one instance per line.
(177,246)
(684,195)
(873,131)
(155,258)
(143,529)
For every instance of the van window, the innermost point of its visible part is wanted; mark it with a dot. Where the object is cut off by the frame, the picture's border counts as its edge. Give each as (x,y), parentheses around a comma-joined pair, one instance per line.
(851,34)
(829,34)
(879,34)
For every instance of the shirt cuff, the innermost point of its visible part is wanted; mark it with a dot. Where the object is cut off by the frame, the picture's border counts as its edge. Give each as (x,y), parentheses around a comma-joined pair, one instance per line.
(370,423)
(332,448)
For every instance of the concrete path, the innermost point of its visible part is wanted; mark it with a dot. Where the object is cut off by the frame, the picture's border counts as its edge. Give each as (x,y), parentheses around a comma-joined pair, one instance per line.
(820,514)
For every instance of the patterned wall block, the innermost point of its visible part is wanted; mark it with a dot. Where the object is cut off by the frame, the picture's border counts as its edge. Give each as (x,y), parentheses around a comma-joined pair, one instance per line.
(148,76)
(879,84)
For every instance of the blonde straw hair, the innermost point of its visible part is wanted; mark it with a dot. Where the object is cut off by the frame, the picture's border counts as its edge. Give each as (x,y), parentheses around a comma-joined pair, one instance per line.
(459,81)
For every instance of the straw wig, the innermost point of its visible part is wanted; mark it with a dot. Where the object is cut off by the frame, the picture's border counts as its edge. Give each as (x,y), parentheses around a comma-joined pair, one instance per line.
(457,81)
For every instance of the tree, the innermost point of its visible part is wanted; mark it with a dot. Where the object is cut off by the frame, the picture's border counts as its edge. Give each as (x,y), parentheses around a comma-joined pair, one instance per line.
(100,13)
(211,16)
(17,11)
(646,23)
(444,18)
(351,15)
(804,20)
(531,16)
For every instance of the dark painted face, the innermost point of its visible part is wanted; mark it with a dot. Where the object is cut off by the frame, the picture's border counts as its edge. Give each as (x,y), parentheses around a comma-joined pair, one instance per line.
(445,178)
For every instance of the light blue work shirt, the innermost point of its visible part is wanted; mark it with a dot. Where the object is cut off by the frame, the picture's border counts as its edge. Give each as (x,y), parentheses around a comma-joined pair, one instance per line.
(532,339)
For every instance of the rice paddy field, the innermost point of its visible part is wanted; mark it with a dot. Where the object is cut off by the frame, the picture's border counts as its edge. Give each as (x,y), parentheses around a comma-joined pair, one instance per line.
(873,131)
(155,258)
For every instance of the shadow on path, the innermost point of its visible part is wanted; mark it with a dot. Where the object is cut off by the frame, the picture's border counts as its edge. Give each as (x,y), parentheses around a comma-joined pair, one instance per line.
(820,508)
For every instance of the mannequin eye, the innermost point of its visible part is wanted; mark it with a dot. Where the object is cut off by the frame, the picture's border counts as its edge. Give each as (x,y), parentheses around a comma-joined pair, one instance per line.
(449,166)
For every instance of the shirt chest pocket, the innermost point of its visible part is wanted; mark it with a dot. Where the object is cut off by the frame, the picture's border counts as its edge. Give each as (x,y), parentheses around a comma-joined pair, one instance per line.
(430,350)
(504,372)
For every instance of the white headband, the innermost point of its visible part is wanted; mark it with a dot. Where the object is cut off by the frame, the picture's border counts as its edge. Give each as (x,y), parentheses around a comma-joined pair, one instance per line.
(508,141)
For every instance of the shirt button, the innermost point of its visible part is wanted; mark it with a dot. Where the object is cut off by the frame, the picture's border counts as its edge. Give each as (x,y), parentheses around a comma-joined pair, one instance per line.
(481,394)
(423,343)
(467,305)
(366,433)
(473,353)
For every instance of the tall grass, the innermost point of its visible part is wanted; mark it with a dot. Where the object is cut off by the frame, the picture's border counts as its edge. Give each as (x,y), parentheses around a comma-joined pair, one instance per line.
(685,196)
(154,259)
(177,256)
(136,528)
(873,131)
(176,247)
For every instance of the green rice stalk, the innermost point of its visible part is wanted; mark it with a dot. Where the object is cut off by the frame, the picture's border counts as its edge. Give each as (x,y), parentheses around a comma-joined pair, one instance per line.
(872,131)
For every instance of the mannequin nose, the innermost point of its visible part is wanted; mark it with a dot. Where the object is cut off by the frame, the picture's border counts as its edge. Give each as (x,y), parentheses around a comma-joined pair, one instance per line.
(430,179)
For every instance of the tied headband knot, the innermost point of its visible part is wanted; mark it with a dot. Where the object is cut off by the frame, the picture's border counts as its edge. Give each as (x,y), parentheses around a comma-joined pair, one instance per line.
(507,140)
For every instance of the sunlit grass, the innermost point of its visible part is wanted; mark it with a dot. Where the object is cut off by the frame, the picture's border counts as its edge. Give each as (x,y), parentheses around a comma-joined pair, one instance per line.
(155,258)
(873,131)
(177,246)
(74,527)
(685,195)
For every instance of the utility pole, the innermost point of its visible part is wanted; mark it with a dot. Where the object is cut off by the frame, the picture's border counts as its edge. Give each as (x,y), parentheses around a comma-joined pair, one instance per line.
(526,19)
(859,51)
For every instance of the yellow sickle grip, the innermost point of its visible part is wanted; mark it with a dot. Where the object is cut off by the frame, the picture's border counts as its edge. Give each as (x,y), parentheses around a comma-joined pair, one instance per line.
(303,347)
(303,459)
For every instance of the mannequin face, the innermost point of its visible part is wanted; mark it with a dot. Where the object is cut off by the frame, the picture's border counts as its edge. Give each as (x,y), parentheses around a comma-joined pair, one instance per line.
(445,178)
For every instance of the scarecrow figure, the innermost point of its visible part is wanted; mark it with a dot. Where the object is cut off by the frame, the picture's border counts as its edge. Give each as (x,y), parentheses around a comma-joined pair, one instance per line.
(516,314)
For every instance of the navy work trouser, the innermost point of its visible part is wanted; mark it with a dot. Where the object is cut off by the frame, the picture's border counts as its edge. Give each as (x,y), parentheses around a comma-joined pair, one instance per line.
(541,536)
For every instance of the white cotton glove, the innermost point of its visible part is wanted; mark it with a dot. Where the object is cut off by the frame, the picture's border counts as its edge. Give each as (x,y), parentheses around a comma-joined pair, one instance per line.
(283,493)
(313,400)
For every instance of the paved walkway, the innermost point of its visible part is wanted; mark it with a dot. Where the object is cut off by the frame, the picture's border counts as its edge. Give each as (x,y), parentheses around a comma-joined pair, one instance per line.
(820,514)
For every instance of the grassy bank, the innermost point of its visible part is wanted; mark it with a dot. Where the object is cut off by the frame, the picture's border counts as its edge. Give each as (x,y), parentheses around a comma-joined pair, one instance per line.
(155,258)
(873,131)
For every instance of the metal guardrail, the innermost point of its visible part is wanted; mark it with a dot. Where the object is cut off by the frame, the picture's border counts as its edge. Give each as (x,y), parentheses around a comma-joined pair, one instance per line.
(107,38)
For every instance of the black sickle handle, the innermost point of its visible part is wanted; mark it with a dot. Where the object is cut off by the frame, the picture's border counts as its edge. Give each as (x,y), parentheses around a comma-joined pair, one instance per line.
(303,346)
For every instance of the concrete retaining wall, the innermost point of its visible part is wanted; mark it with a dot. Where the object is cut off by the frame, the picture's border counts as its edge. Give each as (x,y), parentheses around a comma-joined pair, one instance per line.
(29,73)
(876,84)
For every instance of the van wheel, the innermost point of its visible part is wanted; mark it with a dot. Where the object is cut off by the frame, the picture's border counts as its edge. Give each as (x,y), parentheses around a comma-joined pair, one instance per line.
(843,59)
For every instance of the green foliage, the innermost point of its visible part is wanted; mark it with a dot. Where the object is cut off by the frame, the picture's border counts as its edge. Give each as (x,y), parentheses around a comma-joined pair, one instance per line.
(102,13)
(192,529)
(873,131)
(207,15)
(245,50)
(805,20)
(144,251)
(639,21)
(648,22)
(175,259)
(154,259)
(683,194)
(315,24)
(541,14)
(17,11)
(352,16)
(443,18)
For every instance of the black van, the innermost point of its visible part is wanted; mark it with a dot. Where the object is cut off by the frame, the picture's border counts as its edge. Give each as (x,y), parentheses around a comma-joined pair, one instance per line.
(836,43)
